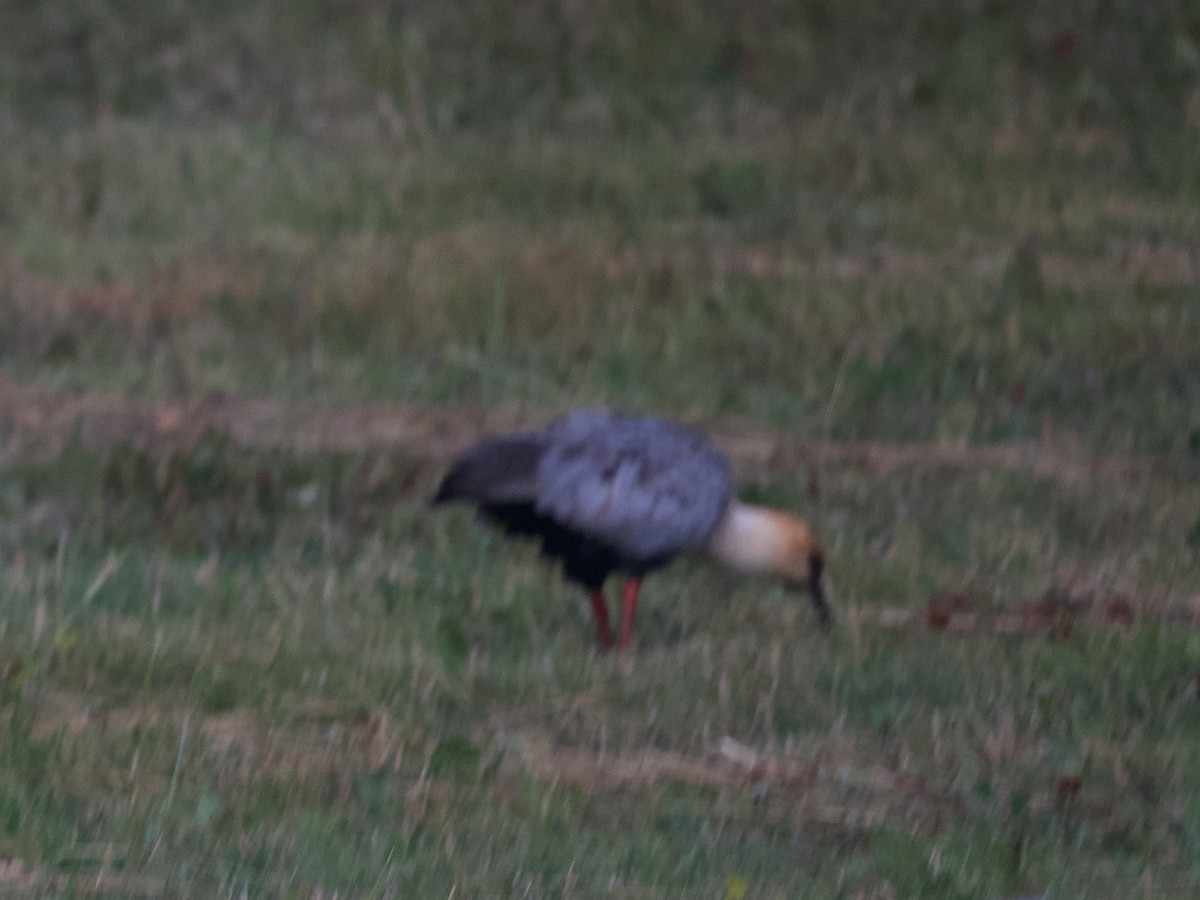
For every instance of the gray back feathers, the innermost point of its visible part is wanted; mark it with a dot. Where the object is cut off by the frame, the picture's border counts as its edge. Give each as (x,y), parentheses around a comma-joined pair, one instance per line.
(642,486)
(645,487)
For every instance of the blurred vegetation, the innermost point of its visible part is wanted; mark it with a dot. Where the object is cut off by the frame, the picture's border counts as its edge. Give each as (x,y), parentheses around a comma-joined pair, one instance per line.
(229,668)
(970,218)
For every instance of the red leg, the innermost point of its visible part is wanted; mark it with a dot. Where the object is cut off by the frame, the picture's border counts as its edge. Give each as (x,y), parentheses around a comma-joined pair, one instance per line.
(632,586)
(600,613)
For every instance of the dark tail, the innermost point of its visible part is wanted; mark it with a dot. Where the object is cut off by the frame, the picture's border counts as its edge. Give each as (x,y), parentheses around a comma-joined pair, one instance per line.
(446,492)
(500,469)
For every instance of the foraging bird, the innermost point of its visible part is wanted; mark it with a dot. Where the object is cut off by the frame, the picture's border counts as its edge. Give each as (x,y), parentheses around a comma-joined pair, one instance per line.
(606,493)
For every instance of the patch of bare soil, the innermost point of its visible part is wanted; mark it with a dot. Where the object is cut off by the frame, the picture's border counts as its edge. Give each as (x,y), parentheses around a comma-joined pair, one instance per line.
(838,784)
(834,788)
(1158,264)
(34,421)
(1055,614)
(17,879)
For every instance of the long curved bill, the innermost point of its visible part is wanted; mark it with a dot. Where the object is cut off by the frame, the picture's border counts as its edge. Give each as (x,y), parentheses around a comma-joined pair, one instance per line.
(818,586)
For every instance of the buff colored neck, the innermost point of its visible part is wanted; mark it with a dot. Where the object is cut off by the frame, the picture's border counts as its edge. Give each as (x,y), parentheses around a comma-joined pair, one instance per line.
(751,539)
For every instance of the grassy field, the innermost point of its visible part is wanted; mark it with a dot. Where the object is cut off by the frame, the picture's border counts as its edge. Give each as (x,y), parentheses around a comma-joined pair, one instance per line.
(930,273)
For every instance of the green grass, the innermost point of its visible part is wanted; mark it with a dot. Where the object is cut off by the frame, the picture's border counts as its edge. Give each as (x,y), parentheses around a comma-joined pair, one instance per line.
(465,204)
(319,685)
(232,667)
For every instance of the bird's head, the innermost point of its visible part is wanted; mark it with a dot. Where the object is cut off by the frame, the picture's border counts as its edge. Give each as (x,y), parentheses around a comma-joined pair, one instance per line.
(801,562)
(759,541)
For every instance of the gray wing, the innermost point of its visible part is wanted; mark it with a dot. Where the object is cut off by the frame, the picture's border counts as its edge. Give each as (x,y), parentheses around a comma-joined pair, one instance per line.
(645,487)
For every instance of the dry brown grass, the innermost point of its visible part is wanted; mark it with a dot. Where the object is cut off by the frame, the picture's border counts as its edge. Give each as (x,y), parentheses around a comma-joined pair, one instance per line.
(37,421)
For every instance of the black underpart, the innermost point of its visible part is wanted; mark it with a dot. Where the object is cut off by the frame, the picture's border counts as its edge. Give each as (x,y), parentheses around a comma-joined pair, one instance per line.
(585,561)
(816,565)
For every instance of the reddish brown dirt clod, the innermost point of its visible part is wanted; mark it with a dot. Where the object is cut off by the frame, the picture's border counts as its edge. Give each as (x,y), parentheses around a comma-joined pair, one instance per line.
(1064,45)
(942,607)
(1119,608)
(1068,787)
(1053,613)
